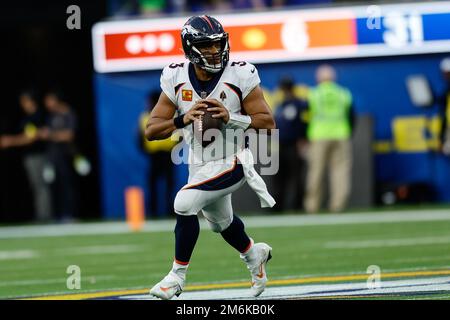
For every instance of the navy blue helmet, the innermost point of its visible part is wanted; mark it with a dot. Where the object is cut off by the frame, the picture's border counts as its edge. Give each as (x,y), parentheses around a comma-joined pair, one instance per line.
(201,32)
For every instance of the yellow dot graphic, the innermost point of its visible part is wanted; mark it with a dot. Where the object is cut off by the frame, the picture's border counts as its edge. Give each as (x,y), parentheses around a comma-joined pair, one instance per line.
(254,38)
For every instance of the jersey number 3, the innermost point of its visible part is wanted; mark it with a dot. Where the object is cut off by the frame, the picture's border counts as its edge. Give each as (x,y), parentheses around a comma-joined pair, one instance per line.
(176,65)
(239,63)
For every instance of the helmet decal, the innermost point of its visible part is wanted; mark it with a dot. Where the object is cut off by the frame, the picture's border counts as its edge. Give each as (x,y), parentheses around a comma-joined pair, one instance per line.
(189,29)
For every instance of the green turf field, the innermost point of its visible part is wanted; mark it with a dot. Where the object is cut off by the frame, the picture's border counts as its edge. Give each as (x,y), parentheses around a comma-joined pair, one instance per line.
(37,265)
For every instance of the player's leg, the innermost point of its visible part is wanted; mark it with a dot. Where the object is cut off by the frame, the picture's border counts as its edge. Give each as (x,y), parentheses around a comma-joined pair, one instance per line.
(187,204)
(340,175)
(220,217)
(34,164)
(316,169)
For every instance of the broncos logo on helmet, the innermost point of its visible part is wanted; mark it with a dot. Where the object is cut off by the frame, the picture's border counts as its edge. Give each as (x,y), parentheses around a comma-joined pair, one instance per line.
(202,32)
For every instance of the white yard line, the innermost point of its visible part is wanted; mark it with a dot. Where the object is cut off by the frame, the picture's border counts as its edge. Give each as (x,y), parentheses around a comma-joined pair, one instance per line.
(72,251)
(106,249)
(422,259)
(18,254)
(436,283)
(359,244)
(409,286)
(84,279)
(263,221)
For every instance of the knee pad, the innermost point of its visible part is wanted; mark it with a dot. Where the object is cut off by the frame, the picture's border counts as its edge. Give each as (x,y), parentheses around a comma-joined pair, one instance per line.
(184,203)
(218,227)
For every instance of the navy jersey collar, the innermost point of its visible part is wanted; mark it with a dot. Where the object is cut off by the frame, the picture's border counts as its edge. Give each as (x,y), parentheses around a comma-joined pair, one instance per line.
(205,86)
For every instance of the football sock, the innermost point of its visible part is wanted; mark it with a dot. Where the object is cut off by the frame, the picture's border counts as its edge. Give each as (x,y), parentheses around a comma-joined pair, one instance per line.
(180,269)
(235,235)
(186,231)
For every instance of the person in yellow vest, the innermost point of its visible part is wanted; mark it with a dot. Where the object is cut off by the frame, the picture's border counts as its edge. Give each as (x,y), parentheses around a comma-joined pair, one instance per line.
(329,132)
(161,164)
(444,102)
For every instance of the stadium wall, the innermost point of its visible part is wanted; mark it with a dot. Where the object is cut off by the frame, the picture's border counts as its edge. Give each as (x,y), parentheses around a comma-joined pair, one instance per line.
(379,90)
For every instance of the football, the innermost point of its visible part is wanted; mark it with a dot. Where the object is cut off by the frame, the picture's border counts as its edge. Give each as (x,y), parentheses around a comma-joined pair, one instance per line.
(205,122)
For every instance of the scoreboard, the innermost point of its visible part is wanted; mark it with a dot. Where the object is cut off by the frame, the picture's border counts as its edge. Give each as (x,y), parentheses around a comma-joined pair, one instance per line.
(282,35)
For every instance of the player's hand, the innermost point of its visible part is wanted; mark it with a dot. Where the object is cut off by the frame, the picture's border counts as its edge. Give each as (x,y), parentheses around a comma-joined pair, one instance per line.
(219,108)
(194,113)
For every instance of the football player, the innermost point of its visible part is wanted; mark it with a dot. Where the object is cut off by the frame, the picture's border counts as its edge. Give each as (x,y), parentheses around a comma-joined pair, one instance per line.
(209,81)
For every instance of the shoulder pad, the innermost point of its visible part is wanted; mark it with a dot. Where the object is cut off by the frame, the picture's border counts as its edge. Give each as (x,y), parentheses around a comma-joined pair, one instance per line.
(170,71)
(243,69)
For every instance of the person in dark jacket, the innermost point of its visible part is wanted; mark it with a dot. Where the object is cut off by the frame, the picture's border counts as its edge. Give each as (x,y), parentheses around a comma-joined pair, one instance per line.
(60,134)
(33,147)
(290,119)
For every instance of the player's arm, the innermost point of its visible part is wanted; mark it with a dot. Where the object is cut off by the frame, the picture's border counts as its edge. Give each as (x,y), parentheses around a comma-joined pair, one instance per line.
(18,140)
(259,111)
(161,123)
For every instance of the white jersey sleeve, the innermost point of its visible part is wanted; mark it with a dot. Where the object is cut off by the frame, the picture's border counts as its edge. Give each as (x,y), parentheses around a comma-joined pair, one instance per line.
(167,82)
(249,78)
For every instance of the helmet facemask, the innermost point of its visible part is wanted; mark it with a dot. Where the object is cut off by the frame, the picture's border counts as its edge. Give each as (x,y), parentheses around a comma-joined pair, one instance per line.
(213,62)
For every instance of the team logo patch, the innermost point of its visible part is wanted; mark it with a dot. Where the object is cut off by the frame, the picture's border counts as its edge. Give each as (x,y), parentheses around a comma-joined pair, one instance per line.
(223,96)
(186,95)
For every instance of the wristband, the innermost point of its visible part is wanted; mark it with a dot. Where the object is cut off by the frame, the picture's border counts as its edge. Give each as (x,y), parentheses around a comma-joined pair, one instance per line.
(178,122)
(239,121)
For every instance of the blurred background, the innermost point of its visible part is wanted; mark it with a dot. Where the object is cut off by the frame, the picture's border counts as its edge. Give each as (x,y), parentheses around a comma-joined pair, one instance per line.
(77,92)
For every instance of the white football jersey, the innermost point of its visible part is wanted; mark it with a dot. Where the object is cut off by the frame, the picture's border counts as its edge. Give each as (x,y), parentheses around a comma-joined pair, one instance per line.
(231,87)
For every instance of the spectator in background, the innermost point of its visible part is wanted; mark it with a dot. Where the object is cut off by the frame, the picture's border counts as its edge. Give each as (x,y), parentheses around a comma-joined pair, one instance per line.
(290,119)
(60,134)
(161,164)
(248,4)
(149,8)
(444,103)
(157,7)
(208,5)
(284,3)
(152,7)
(220,5)
(329,132)
(34,156)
